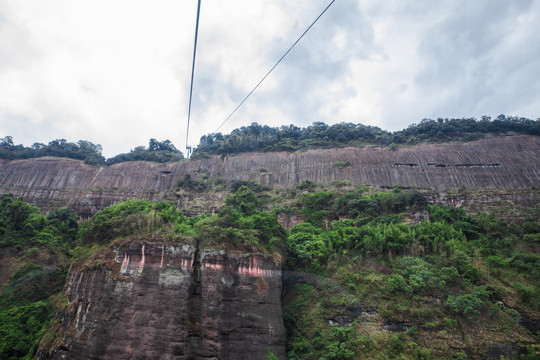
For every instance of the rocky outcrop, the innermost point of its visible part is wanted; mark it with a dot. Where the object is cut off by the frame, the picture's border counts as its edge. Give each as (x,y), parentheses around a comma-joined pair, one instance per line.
(497,162)
(172,301)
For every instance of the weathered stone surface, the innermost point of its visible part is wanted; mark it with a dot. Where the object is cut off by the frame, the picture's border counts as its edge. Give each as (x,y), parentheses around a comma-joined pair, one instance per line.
(242,297)
(497,162)
(500,351)
(165,303)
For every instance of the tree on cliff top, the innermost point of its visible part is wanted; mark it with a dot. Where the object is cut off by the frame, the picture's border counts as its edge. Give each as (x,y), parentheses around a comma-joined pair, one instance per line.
(81,150)
(90,153)
(320,135)
(157,151)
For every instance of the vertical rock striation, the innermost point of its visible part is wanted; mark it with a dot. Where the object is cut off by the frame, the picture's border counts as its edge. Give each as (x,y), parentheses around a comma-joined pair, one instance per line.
(497,162)
(241,294)
(168,301)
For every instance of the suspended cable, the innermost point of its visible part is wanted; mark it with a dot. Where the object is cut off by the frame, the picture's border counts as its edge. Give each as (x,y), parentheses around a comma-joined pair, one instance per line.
(188,148)
(273,67)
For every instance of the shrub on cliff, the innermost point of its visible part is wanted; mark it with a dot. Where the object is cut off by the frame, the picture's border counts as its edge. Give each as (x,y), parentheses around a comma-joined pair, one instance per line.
(26,309)
(134,217)
(241,224)
(157,151)
(419,274)
(259,232)
(22,224)
(21,328)
(307,244)
(355,203)
(243,200)
(251,184)
(187,183)
(316,207)
(469,304)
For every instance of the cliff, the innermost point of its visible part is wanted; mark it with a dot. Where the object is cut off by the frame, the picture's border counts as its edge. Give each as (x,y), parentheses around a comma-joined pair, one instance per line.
(160,299)
(172,301)
(497,162)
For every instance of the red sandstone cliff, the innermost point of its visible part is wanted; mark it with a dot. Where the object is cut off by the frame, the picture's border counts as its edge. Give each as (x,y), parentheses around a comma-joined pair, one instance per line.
(160,300)
(497,162)
(172,301)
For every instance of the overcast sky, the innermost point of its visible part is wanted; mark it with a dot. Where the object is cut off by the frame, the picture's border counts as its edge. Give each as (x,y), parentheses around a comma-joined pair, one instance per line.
(117,72)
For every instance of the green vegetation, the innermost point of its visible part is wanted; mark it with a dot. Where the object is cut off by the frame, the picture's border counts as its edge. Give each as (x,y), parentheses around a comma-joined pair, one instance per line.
(256,137)
(363,244)
(342,164)
(21,328)
(82,150)
(457,281)
(23,225)
(200,185)
(469,304)
(241,224)
(25,305)
(157,151)
(134,218)
(319,135)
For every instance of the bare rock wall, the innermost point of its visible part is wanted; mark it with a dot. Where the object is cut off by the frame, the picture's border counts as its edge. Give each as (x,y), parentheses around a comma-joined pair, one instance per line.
(174,302)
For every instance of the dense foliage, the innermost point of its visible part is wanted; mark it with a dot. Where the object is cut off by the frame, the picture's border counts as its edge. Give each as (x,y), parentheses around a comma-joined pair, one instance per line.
(25,305)
(157,151)
(474,264)
(23,225)
(256,137)
(444,272)
(242,224)
(319,135)
(81,150)
(21,328)
(134,217)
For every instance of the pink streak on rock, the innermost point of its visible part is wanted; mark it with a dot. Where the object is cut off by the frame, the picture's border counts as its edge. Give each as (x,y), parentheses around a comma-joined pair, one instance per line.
(213,266)
(162,255)
(252,268)
(141,264)
(186,263)
(125,263)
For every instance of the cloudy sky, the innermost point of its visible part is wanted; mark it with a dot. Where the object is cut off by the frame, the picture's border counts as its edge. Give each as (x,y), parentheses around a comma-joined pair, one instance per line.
(117,72)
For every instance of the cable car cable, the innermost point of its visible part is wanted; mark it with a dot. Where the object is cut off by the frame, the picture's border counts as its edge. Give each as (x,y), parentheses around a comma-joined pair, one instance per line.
(188,148)
(273,67)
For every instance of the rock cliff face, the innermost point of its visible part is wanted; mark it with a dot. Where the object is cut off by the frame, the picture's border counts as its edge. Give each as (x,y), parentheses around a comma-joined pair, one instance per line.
(164,301)
(159,300)
(498,162)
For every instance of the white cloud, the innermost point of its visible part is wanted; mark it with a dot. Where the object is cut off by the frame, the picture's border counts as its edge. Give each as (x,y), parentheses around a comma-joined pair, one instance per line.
(117,72)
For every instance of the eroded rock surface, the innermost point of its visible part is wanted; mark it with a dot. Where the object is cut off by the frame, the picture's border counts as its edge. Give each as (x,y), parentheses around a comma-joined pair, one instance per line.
(172,302)
(497,162)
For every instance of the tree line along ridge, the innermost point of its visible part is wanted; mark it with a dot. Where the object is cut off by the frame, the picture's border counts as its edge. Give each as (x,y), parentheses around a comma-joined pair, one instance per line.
(263,138)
